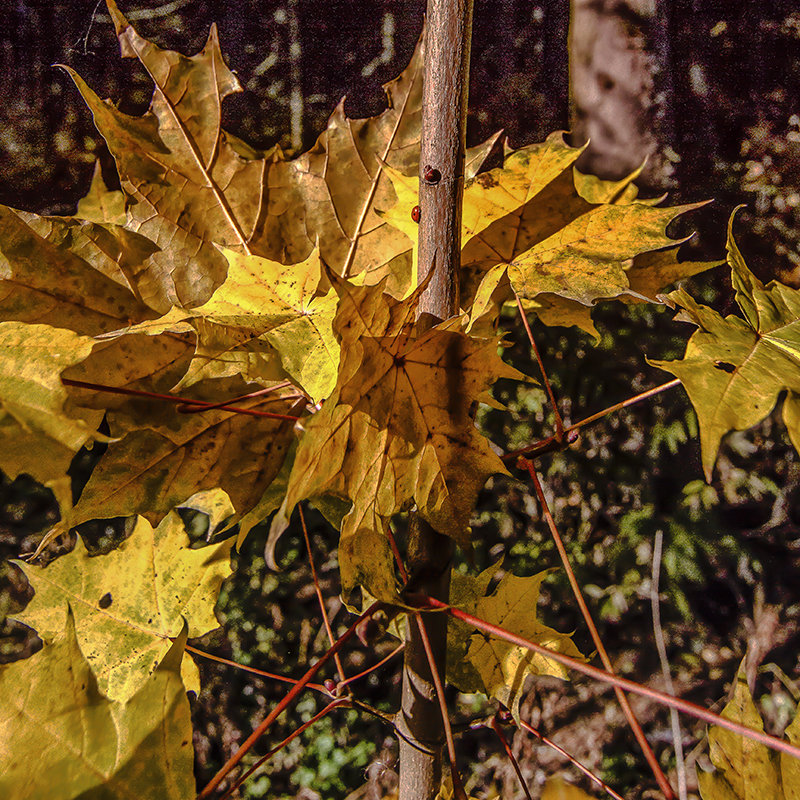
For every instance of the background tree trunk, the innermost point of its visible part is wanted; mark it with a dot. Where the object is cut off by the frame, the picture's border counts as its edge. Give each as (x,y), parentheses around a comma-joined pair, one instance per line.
(620,96)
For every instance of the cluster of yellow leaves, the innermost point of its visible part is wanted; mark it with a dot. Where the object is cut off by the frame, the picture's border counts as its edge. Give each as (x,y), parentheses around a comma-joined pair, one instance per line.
(217,272)
(202,275)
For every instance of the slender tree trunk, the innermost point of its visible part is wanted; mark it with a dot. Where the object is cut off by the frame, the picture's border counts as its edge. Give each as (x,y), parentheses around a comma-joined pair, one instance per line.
(445,88)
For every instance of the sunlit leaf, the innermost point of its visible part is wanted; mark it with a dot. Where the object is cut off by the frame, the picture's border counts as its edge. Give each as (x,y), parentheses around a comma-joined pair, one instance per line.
(334,188)
(38,435)
(131,603)
(734,369)
(61,739)
(398,428)
(598,190)
(745,769)
(480,662)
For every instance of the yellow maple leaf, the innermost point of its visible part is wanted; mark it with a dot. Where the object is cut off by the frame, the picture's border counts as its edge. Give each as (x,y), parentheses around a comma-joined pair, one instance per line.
(61,739)
(129,604)
(480,662)
(398,428)
(735,368)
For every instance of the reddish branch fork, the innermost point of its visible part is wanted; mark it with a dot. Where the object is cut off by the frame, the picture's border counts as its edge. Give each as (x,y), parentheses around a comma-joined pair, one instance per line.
(571,432)
(283,704)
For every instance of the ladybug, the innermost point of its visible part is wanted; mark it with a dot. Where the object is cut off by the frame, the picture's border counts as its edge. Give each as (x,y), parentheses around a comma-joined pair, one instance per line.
(416,214)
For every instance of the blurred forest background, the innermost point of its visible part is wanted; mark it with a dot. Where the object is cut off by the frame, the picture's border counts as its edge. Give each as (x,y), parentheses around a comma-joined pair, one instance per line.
(707,92)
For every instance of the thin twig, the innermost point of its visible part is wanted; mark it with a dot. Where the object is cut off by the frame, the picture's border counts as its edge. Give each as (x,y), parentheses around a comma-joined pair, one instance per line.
(625,403)
(550,443)
(284,703)
(326,621)
(585,770)
(396,553)
(294,734)
(169,398)
(317,687)
(635,727)
(427,603)
(677,736)
(511,757)
(399,649)
(559,437)
(191,408)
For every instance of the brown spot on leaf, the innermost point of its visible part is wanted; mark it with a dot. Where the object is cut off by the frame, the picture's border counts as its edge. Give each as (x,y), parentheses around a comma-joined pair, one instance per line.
(486,180)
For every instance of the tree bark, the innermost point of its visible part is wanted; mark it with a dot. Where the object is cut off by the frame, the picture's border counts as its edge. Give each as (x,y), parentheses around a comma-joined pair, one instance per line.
(620,95)
(429,554)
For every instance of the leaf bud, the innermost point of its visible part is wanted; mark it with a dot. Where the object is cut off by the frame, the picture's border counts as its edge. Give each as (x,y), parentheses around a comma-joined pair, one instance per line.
(431,175)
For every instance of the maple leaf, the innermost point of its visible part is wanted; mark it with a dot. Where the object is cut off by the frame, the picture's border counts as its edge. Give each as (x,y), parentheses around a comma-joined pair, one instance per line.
(187,186)
(61,739)
(39,435)
(735,368)
(446,790)
(478,662)
(163,457)
(745,769)
(129,604)
(281,304)
(398,428)
(70,274)
(557,244)
(264,322)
